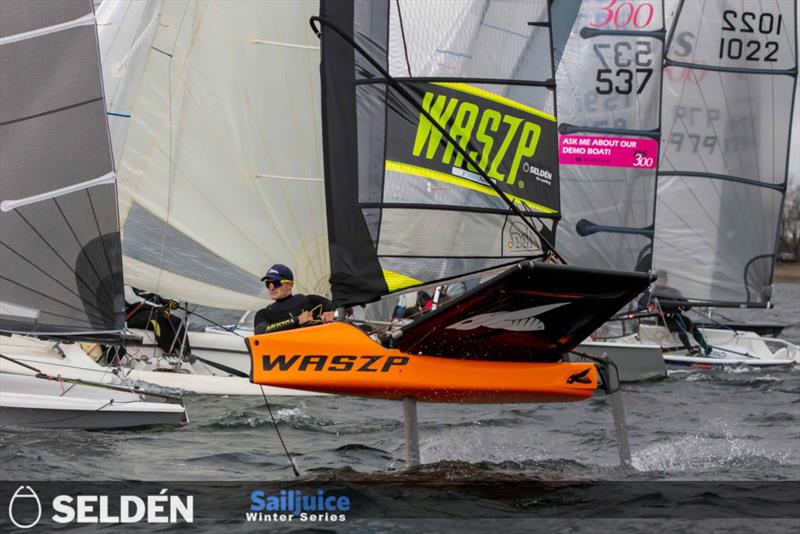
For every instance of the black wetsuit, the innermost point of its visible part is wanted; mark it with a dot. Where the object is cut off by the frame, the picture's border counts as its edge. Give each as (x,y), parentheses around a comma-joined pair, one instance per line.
(282,314)
(672,304)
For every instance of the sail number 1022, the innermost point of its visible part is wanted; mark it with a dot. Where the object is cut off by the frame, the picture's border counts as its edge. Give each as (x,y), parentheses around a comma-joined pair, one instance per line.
(749,49)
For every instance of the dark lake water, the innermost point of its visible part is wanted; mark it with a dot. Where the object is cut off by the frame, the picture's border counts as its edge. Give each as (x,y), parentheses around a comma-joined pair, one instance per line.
(734,425)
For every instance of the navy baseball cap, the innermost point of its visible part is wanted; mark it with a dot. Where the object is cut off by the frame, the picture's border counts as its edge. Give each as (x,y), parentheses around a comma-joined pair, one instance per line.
(278,272)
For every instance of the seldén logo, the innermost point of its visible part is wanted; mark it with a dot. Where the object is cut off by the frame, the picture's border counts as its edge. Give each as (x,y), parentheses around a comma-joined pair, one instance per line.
(21,508)
(289,505)
(25,508)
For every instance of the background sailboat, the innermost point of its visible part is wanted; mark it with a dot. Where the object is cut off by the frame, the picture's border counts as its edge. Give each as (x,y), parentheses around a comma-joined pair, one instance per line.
(221,166)
(181,77)
(729,83)
(61,273)
(608,59)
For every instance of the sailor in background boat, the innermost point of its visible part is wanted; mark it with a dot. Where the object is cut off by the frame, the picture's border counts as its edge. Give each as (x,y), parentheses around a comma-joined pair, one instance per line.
(287,310)
(149,311)
(670,304)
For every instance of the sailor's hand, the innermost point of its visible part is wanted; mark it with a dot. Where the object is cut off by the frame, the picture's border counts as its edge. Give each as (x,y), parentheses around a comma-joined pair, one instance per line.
(304,317)
(327,316)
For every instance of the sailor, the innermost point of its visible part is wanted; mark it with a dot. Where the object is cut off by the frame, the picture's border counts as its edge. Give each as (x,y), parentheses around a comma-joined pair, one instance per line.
(671,303)
(287,310)
(149,311)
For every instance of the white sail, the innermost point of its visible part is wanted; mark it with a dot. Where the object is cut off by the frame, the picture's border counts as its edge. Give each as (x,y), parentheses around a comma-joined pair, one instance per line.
(221,170)
(609,89)
(729,80)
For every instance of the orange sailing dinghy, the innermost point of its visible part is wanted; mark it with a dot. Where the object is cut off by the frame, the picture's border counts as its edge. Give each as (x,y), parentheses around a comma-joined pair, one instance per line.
(441,163)
(501,342)
(340,358)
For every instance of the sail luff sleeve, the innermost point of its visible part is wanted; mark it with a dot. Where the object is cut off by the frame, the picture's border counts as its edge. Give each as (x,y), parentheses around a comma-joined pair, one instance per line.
(355,271)
(411,138)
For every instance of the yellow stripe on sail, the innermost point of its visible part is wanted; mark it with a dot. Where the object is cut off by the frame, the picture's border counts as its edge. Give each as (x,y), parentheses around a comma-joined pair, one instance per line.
(422,172)
(472,90)
(396,281)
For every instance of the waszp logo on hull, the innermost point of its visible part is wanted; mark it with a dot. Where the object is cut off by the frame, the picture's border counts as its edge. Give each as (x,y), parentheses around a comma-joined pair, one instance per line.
(340,362)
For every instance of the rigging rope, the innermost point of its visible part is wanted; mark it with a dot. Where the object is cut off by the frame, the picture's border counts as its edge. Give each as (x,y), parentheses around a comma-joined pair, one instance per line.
(277,431)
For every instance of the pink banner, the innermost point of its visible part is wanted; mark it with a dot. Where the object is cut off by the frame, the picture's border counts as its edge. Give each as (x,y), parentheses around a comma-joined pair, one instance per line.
(635,152)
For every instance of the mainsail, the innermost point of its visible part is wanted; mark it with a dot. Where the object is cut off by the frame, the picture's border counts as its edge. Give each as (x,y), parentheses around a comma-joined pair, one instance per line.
(59,237)
(608,57)
(221,167)
(414,91)
(729,82)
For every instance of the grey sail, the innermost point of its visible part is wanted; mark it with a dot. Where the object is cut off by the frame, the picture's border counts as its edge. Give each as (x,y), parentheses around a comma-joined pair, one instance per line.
(609,87)
(60,258)
(729,80)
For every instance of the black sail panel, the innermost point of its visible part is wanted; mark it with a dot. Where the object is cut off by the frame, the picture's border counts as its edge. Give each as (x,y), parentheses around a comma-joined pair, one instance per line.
(60,255)
(437,96)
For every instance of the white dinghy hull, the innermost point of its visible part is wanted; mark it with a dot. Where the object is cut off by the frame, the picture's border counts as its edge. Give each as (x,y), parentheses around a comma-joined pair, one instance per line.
(729,349)
(70,361)
(635,361)
(45,403)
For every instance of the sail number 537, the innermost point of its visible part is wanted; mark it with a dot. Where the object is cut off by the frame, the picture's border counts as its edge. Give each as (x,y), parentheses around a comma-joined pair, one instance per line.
(630,65)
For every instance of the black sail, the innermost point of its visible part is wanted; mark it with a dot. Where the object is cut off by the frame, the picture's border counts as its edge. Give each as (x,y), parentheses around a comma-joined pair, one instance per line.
(406,207)
(60,254)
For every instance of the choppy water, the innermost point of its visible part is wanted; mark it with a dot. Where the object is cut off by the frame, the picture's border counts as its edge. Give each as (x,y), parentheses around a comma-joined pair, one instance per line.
(709,425)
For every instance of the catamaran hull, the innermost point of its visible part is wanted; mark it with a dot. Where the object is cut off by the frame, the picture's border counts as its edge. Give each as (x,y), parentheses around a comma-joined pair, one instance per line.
(339,358)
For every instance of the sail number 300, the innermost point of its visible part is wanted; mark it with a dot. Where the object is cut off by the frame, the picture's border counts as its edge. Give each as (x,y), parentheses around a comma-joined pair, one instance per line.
(750,49)
(622,14)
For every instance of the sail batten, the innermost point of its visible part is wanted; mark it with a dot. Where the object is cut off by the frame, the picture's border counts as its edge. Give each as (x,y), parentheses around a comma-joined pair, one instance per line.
(728,177)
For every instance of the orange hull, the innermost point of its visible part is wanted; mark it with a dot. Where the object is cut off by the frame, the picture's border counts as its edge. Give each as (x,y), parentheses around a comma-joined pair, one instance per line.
(339,358)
